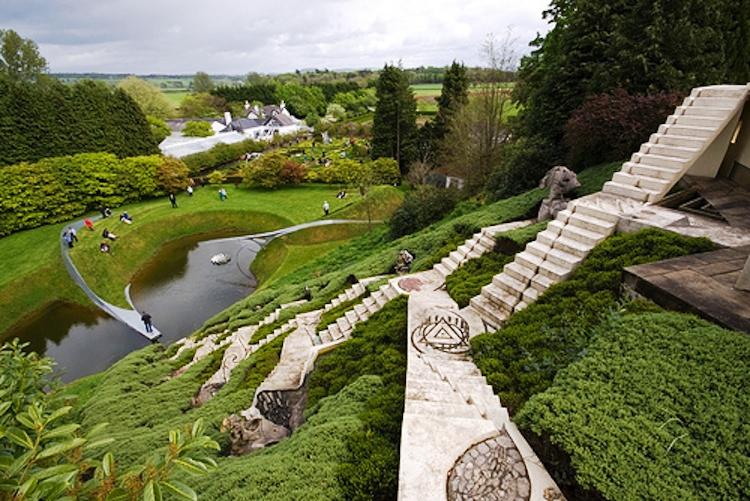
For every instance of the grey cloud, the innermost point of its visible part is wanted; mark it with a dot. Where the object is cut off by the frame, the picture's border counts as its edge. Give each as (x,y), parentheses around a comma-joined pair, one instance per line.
(237,36)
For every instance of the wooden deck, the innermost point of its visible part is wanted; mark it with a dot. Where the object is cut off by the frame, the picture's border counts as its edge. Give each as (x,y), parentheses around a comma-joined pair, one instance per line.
(702,284)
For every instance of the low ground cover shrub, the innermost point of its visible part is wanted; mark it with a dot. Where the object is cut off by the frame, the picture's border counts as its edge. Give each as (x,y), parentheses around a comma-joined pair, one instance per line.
(654,409)
(377,347)
(523,357)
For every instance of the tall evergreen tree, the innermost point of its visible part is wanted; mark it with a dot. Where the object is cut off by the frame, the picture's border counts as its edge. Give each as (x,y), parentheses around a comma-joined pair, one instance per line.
(642,46)
(394,129)
(453,96)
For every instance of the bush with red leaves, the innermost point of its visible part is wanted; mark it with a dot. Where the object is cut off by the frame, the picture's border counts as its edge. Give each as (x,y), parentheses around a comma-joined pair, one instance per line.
(611,126)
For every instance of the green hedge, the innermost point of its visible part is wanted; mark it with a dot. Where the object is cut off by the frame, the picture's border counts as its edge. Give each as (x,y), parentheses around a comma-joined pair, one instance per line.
(523,357)
(59,189)
(49,119)
(197,129)
(221,154)
(656,409)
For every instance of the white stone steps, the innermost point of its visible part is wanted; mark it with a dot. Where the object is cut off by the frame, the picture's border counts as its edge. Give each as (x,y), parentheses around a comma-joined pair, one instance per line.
(590,209)
(528,260)
(537,249)
(499,298)
(651,171)
(449,264)
(519,272)
(675,140)
(343,325)
(351,317)
(668,150)
(389,291)
(335,331)
(487,242)
(641,181)
(442,269)
(563,259)
(360,310)
(708,122)
(530,295)
(722,91)
(436,393)
(577,233)
(556,272)
(487,311)
(541,282)
(422,408)
(707,101)
(659,160)
(325,336)
(379,297)
(704,111)
(592,224)
(509,284)
(686,130)
(456,257)
(625,190)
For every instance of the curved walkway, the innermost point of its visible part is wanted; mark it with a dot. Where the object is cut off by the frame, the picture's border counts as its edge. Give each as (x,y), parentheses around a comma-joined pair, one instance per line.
(132,318)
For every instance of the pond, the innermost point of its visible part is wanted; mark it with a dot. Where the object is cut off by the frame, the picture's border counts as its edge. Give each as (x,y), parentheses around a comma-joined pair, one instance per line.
(179,287)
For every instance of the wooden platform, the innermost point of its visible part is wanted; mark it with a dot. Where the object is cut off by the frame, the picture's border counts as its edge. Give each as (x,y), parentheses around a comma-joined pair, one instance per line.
(702,284)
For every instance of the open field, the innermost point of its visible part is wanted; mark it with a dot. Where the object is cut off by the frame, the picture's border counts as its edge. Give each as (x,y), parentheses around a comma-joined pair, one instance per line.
(175,97)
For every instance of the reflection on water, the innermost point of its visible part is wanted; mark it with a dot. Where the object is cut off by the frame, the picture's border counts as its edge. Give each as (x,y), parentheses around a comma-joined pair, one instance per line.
(179,287)
(81,340)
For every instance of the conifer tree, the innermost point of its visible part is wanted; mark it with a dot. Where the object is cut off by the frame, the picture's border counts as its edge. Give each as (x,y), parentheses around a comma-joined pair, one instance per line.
(453,96)
(394,130)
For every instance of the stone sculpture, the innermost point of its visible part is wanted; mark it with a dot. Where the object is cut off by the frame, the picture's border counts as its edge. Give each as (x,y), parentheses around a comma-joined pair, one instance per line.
(560,180)
(403,262)
(250,434)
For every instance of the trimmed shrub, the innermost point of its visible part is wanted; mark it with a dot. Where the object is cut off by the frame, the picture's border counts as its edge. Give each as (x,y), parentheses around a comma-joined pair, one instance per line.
(654,409)
(273,170)
(523,357)
(611,126)
(222,154)
(49,119)
(421,207)
(197,129)
(172,175)
(159,128)
(59,189)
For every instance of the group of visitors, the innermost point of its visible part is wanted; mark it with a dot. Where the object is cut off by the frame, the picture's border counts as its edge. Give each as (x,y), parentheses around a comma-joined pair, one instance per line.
(70,235)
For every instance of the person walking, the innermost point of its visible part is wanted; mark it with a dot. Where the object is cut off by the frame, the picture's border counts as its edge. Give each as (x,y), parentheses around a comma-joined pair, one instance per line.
(326,207)
(68,239)
(146,318)
(190,191)
(173,200)
(73,233)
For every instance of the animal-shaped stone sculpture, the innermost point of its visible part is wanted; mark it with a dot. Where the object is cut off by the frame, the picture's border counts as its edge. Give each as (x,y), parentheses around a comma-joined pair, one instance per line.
(560,180)
(247,435)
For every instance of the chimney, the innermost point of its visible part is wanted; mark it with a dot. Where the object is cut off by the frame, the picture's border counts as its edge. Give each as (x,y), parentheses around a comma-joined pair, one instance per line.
(227,118)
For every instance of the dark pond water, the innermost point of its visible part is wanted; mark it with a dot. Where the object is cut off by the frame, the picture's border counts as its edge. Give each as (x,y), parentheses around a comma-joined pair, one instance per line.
(179,287)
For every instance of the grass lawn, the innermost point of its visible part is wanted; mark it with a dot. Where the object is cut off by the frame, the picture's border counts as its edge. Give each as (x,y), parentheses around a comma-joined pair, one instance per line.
(33,274)
(286,254)
(175,97)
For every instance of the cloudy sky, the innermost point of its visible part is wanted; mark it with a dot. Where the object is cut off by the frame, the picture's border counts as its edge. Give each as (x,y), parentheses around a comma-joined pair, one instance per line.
(238,36)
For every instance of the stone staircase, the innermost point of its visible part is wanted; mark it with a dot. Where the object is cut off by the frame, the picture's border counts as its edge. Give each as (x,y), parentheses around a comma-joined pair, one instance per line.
(213,342)
(687,136)
(239,342)
(341,329)
(480,243)
(695,136)
(457,440)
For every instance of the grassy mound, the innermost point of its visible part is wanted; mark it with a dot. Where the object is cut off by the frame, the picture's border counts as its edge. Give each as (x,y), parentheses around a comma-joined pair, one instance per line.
(523,357)
(655,409)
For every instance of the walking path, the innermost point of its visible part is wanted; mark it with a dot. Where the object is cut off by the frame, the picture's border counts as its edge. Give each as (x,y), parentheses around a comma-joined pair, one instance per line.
(132,318)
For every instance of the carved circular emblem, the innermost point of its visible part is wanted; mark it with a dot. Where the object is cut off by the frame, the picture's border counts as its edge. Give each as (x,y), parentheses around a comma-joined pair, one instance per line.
(444,331)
